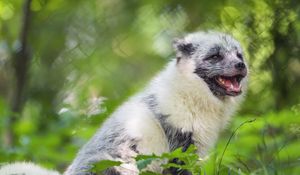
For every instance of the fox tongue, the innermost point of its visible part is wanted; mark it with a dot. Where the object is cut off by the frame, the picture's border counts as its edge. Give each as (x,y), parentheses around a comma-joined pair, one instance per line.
(227,83)
(232,85)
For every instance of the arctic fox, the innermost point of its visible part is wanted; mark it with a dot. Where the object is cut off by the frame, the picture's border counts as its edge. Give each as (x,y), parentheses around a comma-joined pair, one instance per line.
(189,102)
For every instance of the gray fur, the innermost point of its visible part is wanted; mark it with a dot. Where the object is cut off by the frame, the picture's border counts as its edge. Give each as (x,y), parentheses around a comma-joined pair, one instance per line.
(107,144)
(181,106)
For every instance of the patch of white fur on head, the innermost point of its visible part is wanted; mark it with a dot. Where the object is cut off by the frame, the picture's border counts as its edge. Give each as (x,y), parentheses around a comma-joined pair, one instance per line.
(185,66)
(189,81)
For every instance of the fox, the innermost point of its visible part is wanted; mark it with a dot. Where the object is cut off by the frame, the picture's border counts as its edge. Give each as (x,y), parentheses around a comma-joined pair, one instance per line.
(189,102)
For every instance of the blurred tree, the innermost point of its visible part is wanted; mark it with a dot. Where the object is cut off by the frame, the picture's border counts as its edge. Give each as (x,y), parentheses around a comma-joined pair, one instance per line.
(285,32)
(21,63)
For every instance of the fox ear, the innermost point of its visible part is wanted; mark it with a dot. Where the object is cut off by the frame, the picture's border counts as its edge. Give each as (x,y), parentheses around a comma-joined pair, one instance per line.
(183,48)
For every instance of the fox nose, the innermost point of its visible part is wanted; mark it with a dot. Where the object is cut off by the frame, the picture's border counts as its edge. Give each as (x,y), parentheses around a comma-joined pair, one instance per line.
(240,66)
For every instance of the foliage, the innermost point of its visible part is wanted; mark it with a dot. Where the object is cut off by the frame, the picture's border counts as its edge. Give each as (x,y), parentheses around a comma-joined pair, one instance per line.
(189,157)
(85,54)
(265,146)
(103,165)
(256,146)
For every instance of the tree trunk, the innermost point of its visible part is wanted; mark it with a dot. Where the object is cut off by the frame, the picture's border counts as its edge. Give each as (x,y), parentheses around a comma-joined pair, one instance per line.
(21,60)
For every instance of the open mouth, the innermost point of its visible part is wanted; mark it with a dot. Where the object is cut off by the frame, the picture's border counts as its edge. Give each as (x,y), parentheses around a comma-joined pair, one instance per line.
(231,84)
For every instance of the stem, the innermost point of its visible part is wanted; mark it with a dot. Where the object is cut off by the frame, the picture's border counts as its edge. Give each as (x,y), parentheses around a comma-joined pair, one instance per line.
(232,134)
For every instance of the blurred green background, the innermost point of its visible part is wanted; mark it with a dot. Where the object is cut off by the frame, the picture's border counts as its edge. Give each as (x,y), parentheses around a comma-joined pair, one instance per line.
(66,65)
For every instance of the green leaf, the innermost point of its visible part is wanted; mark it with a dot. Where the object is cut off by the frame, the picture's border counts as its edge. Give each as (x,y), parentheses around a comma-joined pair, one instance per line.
(104,164)
(140,157)
(141,164)
(169,165)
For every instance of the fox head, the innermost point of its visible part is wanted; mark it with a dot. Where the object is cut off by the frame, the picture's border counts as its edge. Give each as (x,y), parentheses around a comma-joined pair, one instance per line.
(216,58)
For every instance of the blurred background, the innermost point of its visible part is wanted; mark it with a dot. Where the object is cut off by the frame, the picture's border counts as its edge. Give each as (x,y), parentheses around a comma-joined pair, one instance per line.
(66,65)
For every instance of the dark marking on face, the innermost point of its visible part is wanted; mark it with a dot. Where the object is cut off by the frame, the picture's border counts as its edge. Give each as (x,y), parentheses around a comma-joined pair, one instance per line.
(186,49)
(214,55)
(215,89)
(215,50)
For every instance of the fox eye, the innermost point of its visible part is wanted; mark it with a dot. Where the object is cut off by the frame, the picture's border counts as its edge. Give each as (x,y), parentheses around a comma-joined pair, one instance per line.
(215,57)
(240,56)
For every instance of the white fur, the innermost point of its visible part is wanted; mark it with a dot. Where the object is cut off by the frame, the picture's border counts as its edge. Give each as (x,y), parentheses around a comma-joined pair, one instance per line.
(180,94)
(25,168)
(192,107)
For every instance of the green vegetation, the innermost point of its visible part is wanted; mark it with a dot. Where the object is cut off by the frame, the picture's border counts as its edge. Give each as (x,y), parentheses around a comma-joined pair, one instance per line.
(66,65)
